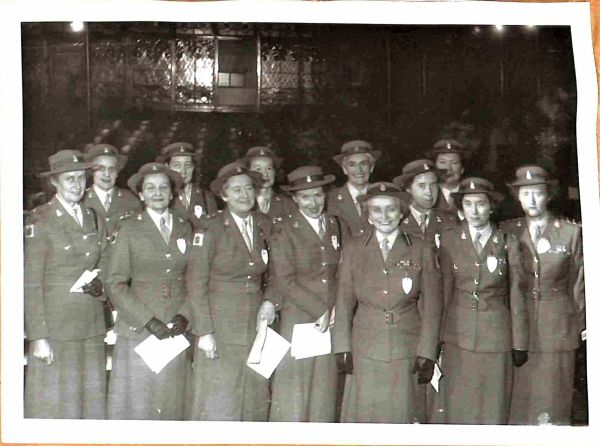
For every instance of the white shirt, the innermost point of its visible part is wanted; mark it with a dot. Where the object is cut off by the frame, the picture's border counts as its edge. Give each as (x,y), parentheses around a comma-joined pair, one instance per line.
(354,192)
(260,200)
(391,238)
(447,192)
(102,194)
(187,192)
(486,233)
(155,216)
(239,222)
(314,222)
(534,225)
(417,214)
(71,209)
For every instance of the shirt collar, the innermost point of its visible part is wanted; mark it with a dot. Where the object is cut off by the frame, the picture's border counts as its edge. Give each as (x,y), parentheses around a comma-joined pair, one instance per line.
(239,222)
(417,214)
(314,222)
(485,233)
(102,193)
(354,192)
(155,216)
(391,237)
(69,208)
(447,191)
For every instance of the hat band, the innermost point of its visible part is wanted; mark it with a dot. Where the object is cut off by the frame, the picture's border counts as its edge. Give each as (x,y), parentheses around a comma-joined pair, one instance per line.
(67,164)
(357,149)
(306,180)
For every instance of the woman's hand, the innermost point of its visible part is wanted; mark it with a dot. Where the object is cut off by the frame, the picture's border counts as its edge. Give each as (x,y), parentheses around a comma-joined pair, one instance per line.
(41,349)
(266,312)
(208,345)
(322,323)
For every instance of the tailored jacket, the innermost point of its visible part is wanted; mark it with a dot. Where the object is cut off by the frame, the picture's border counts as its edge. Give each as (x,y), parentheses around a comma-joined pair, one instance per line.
(555,292)
(123,204)
(225,281)
(305,268)
(439,221)
(341,205)
(57,252)
(280,208)
(202,205)
(146,276)
(485,308)
(376,308)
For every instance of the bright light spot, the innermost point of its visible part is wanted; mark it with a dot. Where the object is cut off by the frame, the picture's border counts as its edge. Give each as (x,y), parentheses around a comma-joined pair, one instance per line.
(499,27)
(77,26)
(530,26)
(477,30)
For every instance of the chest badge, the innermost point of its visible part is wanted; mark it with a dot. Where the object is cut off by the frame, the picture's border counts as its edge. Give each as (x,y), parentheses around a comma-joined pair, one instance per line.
(198,211)
(29,231)
(437,240)
(181,245)
(334,242)
(492,263)
(198,239)
(265,256)
(542,246)
(407,284)
(58,213)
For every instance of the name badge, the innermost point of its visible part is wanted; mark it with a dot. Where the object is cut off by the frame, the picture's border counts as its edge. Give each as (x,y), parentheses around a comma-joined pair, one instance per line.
(29,231)
(265,256)
(407,284)
(543,245)
(334,242)
(492,263)
(198,239)
(181,245)
(198,211)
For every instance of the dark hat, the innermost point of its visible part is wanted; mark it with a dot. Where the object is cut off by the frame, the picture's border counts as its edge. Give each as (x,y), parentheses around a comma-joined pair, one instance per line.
(357,146)
(231,170)
(412,169)
(475,185)
(95,150)
(176,149)
(260,152)
(388,190)
(152,168)
(531,175)
(65,161)
(448,146)
(307,177)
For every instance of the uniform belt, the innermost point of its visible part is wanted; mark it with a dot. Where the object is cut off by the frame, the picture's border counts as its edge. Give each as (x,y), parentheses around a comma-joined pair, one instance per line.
(164,286)
(479,301)
(550,294)
(247,286)
(381,315)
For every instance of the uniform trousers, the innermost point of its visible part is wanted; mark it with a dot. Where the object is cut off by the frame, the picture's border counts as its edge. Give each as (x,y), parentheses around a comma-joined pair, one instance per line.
(74,386)
(478,386)
(543,389)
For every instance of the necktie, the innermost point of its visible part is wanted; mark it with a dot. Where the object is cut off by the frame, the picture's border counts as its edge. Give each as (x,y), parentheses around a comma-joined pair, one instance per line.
(184,200)
(246,235)
(477,243)
(385,248)
(423,224)
(77,214)
(106,203)
(538,234)
(164,230)
(321,228)
(263,205)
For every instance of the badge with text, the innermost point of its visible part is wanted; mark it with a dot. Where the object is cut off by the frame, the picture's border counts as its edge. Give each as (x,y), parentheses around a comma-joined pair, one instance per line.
(492,263)
(198,211)
(181,245)
(265,256)
(407,284)
(543,245)
(29,231)
(334,242)
(198,239)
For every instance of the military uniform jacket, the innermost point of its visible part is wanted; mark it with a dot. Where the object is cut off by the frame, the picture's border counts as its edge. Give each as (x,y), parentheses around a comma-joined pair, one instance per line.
(554,283)
(202,204)
(485,308)
(439,221)
(376,308)
(225,280)
(57,252)
(123,204)
(146,277)
(305,267)
(444,204)
(341,205)
(280,208)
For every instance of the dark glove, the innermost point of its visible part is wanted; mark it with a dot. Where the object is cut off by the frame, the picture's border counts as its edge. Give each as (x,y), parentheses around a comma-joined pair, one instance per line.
(158,328)
(424,369)
(519,357)
(94,288)
(345,362)
(180,324)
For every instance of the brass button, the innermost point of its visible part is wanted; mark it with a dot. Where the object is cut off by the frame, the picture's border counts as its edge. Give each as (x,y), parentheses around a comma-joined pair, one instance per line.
(251,263)
(168,256)
(324,280)
(168,270)
(385,292)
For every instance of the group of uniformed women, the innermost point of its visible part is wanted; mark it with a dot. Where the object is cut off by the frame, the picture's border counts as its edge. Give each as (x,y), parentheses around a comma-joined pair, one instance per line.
(408,291)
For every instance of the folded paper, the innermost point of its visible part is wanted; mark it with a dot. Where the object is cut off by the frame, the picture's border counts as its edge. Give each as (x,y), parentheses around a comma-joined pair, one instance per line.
(307,341)
(158,353)
(86,277)
(274,348)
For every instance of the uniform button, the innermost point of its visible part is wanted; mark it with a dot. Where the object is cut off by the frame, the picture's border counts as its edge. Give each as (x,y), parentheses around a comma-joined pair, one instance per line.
(323,263)
(251,263)
(324,280)
(168,270)
(535,259)
(385,292)
(322,248)
(168,256)
(107,218)
(85,237)
(536,274)
(475,281)
(249,277)
(87,254)
(385,271)
(477,264)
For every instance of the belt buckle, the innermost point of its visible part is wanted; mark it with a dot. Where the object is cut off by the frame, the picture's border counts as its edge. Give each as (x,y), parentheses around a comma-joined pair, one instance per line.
(389,317)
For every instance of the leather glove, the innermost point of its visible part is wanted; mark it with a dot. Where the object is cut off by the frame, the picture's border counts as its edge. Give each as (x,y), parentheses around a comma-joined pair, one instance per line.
(158,328)
(344,362)
(180,324)
(94,288)
(424,369)
(519,357)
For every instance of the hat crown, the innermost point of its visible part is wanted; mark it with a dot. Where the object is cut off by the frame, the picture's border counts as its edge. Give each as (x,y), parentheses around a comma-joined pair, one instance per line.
(304,172)
(177,148)
(475,185)
(531,173)
(382,186)
(63,157)
(418,166)
(232,169)
(356,146)
(257,151)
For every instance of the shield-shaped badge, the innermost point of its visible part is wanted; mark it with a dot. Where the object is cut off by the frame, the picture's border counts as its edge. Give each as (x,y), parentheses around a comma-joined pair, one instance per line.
(334,242)
(198,239)
(198,211)
(265,256)
(543,245)
(181,245)
(407,284)
(492,263)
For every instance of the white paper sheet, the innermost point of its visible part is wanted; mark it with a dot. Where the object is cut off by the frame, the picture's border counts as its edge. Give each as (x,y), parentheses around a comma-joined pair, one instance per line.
(274,349)
(86,277)
(158,353)
(307,341)
(437,375)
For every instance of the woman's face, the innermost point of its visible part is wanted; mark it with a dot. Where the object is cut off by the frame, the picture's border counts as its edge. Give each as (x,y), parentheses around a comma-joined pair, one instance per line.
(534,200)
(156,192)
(264,166)
(311,201)
(239,194)
(384,213)
(70,185)
(105,172)
(477,209)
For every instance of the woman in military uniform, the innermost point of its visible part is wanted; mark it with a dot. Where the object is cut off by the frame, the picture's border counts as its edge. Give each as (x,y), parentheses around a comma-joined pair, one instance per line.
(380,336)
(146,283)
(306,252)
(553,262)
(485,317)
(66,375)
(226,275)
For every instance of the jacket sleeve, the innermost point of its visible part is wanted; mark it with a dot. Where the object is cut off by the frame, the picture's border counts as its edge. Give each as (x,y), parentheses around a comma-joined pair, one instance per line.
(118,275)
(185,309)
(291,289)
(36,246)
(576,282)
(518,303)
(197,278)
(345,302)
(432,306)
(447,268)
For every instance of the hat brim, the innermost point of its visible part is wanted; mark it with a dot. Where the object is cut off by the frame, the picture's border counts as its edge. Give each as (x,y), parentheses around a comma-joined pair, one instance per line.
(68,168)
(217,184)
(340,156)
(121,159)
(402,180)
(137,177)
(165,158)
(495,197)
(328,179)
(404,197)
(518,183)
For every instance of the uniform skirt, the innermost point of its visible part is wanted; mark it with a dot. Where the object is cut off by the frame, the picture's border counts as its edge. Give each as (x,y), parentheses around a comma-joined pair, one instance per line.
(477,386)
(226,389)
(305,389)
(383,392)
(74,386)
(543,389)
(135,392)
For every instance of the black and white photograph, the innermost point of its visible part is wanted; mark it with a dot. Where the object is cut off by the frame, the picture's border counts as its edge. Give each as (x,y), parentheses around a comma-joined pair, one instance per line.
(376,219)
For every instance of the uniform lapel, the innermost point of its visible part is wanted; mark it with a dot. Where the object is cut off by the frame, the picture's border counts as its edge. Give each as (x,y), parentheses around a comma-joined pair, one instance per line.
(347,204)
(308,233)
(409,224)
(66,218)
(94,202)
(150,227)
(230,223)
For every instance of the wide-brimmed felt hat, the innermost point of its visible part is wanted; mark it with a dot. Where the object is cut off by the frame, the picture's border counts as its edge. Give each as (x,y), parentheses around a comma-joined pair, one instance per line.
(356,146)
(448,146)
(476,185)
(307,177)
(385,189)
(261,152)
(176,149)
(65,161)
(95,150)
(531,175)
(412,169)
(230,170)
(150,169)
